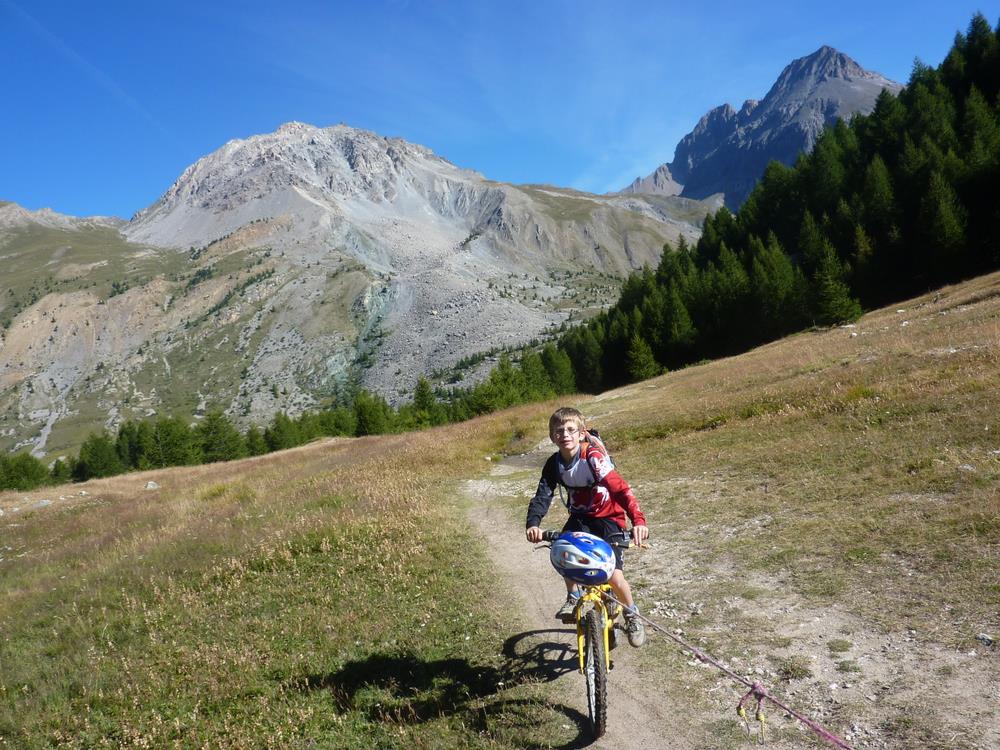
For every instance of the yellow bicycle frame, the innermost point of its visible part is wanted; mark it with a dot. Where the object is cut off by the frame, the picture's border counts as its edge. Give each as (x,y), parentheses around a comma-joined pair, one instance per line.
(593,598)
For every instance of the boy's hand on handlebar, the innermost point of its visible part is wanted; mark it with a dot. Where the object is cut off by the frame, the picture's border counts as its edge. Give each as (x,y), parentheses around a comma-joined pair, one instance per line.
(639,535)
(534,534)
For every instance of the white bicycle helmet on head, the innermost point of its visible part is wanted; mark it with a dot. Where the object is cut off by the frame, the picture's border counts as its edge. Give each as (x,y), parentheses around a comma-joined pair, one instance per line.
(583,558)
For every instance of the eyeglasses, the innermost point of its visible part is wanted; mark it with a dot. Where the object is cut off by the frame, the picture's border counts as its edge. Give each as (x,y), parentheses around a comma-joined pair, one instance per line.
(565,431)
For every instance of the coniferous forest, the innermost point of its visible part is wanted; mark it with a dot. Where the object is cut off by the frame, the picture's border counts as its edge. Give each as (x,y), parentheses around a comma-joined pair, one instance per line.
(886,206)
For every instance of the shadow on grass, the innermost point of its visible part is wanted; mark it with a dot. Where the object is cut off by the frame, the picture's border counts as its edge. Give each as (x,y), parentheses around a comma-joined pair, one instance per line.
(537,656)
(405,689)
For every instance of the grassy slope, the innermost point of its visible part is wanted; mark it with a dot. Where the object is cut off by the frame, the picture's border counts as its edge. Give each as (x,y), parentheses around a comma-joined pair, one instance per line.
(334,594)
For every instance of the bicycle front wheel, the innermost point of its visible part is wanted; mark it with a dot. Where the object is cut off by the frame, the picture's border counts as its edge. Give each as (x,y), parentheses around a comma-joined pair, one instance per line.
(595,669)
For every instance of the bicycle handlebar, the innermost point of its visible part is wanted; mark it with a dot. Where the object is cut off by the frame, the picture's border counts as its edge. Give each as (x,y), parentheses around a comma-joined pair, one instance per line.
(549,535)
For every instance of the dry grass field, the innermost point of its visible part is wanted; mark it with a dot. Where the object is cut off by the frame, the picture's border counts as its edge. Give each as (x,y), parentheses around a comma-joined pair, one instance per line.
(825,513)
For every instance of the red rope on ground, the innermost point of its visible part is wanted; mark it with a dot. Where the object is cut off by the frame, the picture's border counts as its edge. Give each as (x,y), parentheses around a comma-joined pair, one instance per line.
(755,689)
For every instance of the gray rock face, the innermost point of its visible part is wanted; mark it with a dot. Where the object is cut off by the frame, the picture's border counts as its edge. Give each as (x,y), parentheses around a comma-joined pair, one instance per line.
(346,188)
(433,236)
(728,150)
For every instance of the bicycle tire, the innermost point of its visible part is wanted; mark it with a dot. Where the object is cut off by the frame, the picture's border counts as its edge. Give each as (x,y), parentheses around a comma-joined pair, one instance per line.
(595,668)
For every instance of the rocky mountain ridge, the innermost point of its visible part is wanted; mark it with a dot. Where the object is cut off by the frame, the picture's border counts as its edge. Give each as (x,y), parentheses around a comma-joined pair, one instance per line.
(13,216)
(281,267)
(728,150)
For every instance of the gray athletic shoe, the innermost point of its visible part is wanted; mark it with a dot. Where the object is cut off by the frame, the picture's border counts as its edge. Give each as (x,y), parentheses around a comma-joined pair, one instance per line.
(567,612)
(634,630)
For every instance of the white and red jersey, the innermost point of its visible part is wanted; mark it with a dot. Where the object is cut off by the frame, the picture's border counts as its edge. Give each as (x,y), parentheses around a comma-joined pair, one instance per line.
(594,487)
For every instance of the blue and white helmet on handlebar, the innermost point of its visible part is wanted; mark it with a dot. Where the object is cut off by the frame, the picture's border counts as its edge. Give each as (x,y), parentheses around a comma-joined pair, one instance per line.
(583,558)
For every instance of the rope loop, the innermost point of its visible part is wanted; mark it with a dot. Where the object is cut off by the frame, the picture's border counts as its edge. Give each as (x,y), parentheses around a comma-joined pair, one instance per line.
(758,692)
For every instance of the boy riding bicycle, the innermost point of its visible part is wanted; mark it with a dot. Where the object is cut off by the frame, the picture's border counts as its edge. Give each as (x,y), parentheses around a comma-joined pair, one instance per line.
(598,502)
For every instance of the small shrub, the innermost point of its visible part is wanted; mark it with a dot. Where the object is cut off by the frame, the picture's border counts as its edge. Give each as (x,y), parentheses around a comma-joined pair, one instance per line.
(859,393)
(838,645)
(214,492)
(794,668)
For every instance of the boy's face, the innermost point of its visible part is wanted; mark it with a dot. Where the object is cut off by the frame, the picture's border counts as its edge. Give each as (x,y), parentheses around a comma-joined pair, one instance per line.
(567,437)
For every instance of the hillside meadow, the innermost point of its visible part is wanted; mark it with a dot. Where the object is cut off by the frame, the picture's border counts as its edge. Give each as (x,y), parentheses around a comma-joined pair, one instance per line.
(336,595)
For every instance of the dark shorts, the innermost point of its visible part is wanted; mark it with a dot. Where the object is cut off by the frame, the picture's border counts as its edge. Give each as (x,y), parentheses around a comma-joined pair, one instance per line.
(605,528)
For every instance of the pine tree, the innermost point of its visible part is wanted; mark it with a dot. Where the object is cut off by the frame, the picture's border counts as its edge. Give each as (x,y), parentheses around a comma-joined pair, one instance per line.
(879,201)
(256,445)
(651,319)
(824,173)
(833,301)
(282,433)
(559,368)
(982,54)
(942,225)
(173,444)
(778,203)
(862,261)
(811,243)
(373,414)
(22,472)
(218,439)
(773,282)
(680,336)
(885,126)
(127,444)
(932,110)
(424,403)
(587,366)
(730,302)
(97,458)
(338,421)
(980,134)
(614,348)
(639,360)
(537,386)
(60,472)
(506,385)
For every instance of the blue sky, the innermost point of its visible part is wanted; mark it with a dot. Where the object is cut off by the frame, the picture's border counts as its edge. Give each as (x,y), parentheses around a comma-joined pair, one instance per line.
(106,103)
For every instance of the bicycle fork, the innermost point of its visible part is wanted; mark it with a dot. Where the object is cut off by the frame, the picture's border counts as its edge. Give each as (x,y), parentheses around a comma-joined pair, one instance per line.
(606,623)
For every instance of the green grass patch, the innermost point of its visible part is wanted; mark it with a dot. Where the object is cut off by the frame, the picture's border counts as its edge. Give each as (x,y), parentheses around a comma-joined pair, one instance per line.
(838,645)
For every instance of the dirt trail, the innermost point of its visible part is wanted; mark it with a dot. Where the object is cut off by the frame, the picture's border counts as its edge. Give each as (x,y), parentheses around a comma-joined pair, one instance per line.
(904,675)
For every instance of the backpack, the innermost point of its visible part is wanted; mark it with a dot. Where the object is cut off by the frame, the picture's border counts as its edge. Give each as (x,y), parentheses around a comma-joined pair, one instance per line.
(593,437)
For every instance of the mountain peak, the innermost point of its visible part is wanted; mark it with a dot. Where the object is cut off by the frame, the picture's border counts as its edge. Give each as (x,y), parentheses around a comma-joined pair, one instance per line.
(266,175)
(826,63)
(661,182)
(727,151)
